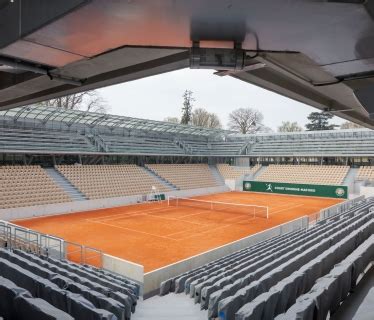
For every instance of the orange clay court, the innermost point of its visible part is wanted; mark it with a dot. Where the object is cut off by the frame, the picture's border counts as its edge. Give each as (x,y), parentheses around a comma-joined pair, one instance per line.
(155,234)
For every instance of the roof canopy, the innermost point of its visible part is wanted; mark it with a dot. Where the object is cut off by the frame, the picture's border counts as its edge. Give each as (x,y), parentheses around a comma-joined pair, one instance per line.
(91,119)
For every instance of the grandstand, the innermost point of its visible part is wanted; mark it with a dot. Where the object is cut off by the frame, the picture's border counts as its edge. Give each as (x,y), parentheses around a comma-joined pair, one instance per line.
(302,275)
(108,217)
(23,186)
(41,130)
(324,175)
(238,255)
(365,173)
(235,172)
(340,143)
(108,181)
(185,176)
(37,286)
(21,140)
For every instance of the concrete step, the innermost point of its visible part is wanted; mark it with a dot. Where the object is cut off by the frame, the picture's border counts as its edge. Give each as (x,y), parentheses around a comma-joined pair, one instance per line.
(217,176)
(259,171)
(172,306)
(65,184)
(160,179)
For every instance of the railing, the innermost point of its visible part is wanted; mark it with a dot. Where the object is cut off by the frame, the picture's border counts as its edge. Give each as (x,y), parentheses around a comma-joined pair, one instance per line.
(13,236)
(99,142)
(333,210)
(186,148)
(340,207)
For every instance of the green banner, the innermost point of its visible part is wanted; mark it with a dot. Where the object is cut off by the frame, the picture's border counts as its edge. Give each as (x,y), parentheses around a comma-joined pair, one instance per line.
(160,196)
(315,190)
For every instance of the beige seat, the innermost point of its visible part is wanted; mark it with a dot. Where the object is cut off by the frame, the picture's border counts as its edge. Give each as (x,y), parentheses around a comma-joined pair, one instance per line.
(23,186)
(233,172)
(304,174)
(186,176)
(108,181)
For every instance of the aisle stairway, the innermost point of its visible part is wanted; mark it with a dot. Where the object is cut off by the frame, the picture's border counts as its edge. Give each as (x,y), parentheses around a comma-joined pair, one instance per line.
(171,307)
(65,184)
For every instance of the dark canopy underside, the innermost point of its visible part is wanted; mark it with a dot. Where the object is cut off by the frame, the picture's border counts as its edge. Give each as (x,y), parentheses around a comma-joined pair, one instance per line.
(315,51)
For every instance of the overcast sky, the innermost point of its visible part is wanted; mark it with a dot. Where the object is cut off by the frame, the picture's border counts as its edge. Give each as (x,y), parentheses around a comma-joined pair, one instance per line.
(160,96)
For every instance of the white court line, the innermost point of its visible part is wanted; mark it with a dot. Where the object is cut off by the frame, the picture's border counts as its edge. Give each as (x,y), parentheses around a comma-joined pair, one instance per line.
(137,231)
(213,229)
(171,234)
(288,208)
(148,215)
(128,214)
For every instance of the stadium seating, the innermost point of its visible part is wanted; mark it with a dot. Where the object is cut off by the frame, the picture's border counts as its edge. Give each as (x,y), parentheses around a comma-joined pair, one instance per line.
(234,172)
(309,174)
(328,292)
(57,289)
(106,181)
(221,148)
(43,140)
(264,280)
(313,146)
(147,145)
(185,176)
(23,186)
(366,173)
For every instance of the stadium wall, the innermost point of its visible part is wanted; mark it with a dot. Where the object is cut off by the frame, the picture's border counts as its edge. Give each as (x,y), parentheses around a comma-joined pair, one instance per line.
(153,279)
(78,206)
(367,191)
(130,269)
(338,208)
(299,189)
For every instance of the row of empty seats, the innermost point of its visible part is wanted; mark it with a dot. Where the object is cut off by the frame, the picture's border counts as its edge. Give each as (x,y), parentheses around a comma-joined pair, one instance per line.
(144,145)
(313,147)
(33,287)
(43,140)
(235,172)
(308,174)
(287,275)
(186,176)
(366,173)
(215,147)
(22,186)
(107,181)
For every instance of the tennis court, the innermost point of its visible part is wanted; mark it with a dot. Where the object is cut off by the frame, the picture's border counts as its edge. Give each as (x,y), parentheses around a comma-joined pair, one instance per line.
(157,234)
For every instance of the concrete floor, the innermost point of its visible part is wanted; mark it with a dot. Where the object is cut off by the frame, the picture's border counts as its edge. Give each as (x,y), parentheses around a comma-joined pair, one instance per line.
(359,305)
(169,307)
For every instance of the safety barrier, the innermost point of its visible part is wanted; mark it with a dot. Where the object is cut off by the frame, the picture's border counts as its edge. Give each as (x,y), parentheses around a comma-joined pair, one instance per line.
(16,237)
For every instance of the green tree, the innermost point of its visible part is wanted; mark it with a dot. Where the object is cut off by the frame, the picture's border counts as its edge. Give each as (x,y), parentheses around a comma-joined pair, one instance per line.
(320,121)
(288,126)
(187,107)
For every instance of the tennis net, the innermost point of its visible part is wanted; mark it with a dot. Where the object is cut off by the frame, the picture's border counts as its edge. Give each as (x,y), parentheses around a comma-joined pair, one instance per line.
(247,209)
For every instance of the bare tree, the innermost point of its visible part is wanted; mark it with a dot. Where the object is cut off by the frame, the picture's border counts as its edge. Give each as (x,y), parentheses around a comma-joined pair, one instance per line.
(246,120)
(350,125)
(203,118)
(288,126)
(214,121)
(172,119)
(86,101)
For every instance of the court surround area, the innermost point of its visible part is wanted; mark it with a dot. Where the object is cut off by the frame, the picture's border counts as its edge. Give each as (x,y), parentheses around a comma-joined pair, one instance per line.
(157,234)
